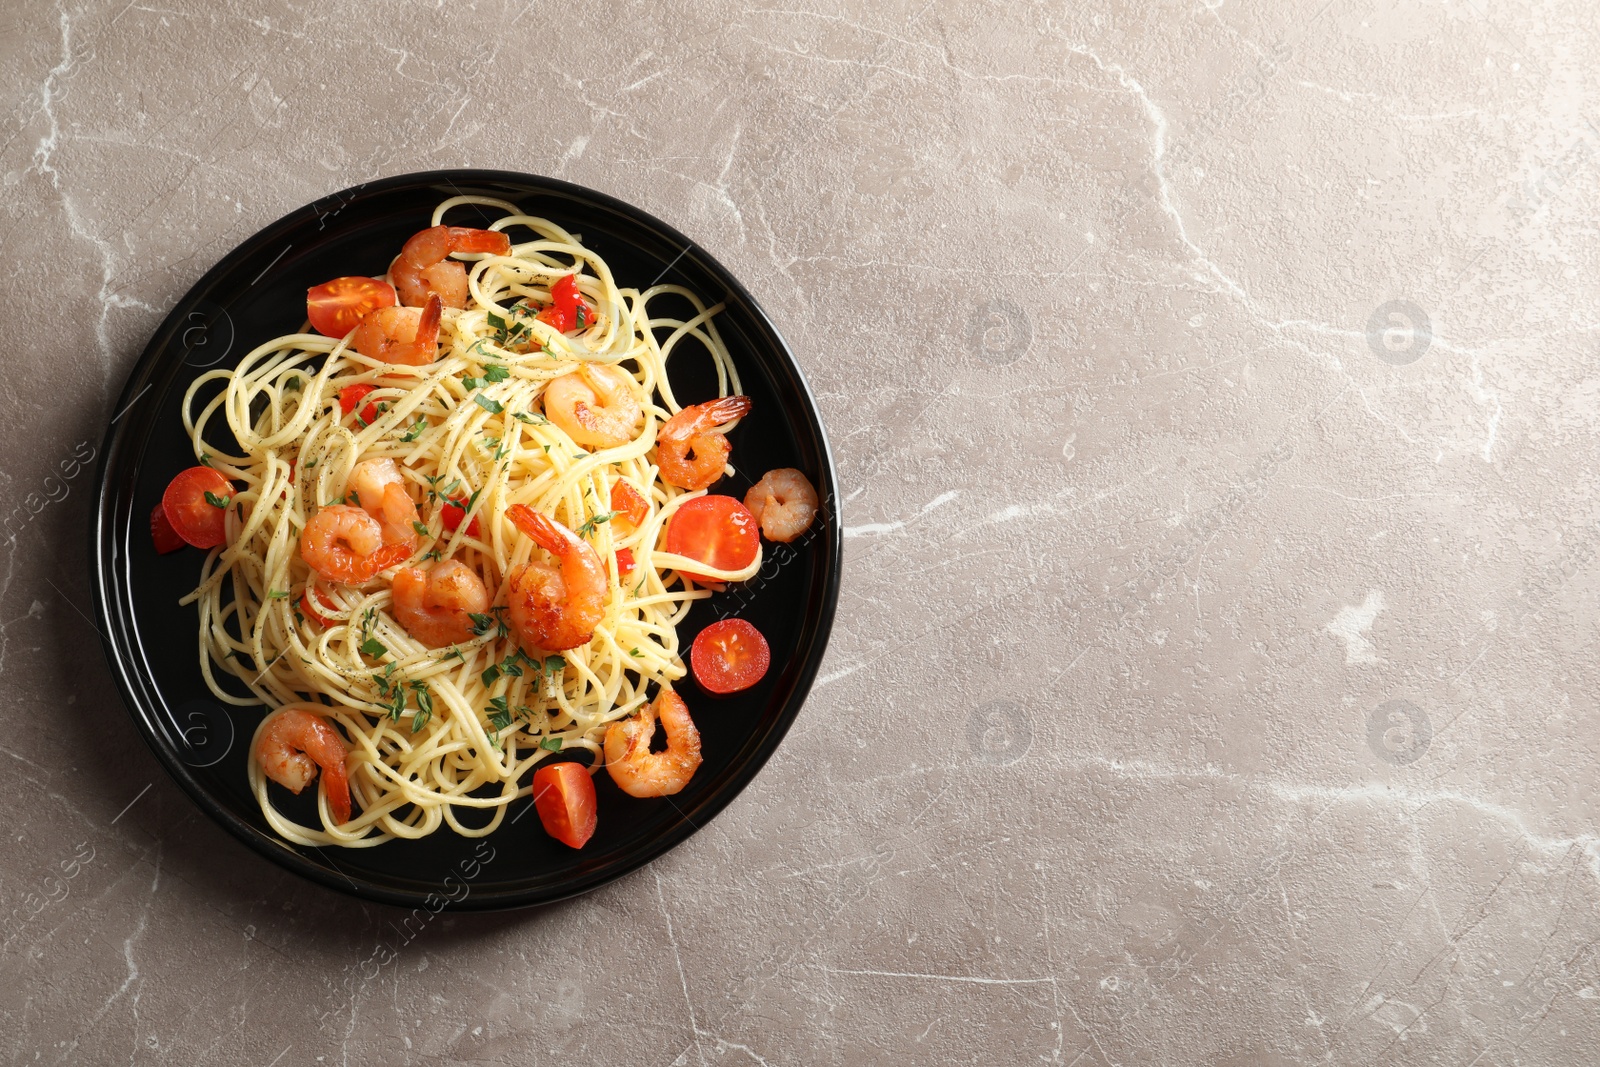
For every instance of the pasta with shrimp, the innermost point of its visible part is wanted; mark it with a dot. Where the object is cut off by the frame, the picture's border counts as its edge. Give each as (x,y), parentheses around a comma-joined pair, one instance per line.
(410,496)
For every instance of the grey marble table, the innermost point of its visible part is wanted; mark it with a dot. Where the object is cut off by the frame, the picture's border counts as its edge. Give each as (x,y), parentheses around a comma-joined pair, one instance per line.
(1213,387)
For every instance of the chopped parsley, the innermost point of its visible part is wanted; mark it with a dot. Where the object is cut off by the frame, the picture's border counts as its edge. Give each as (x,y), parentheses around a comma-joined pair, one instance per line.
(493,407)
(279,594)
(422,531)
(496,372)
(495,618)
(373,647)
(551,744)
(532,419)
(218,501)
(416,430)
(501,717)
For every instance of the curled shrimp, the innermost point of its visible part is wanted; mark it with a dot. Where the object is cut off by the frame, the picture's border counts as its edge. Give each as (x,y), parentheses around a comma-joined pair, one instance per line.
(345,544)
(784,502)
(293,743)
(595,405)
(555,609)
(400,334)
(692,448)
(434,605)
(422,268)
(639,772)
(380,490)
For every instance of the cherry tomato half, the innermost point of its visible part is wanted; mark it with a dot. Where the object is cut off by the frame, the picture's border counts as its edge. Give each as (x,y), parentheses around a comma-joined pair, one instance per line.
(564,795)
(718,530)
(455,509)
(626,501)
(352,395)
(337,307)
(196,503)
(162,533)
(728,656)
(625,563)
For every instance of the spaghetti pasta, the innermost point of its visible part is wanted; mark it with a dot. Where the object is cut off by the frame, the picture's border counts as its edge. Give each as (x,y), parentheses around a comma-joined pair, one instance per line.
(448,736)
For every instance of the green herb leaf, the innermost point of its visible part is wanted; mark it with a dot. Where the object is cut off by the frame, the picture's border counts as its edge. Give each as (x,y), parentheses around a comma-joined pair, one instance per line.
(422,531)
(279,594)
(472,383)
(635,651)
(501,718)
(496,322)
(416,430)
(594,520)
(205,459)
(551,744)
(218,501)
(420,719)
(292,383)
(491,674)
(493,407)
(496,372)
(373,647)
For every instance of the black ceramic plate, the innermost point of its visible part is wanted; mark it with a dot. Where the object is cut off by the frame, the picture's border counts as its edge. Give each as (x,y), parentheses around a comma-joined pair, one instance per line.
(258,292)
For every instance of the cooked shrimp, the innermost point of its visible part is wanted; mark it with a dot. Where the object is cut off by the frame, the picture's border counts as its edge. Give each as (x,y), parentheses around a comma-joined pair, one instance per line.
(595,405)
(784,502)
(400,334)
(422,267)
(433,605)
(345,544)
(639,772)
(555,609)
(380,490)
(698,429)
(293,744)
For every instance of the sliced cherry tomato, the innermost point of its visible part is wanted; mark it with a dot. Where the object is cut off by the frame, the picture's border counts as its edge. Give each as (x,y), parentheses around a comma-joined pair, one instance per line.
(455,509)
(161,532)
(570,311)
(626,501)
(625,562)
(312,613)
(352,395)
(337,307)
(564,795)
(728,656)
(718,530)
(196,503)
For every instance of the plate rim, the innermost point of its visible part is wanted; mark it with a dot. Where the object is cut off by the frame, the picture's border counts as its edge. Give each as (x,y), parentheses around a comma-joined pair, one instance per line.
(121,655)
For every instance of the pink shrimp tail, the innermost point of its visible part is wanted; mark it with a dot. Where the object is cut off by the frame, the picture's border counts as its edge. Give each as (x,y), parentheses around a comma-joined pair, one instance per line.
(549,534)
